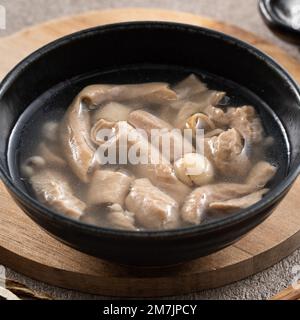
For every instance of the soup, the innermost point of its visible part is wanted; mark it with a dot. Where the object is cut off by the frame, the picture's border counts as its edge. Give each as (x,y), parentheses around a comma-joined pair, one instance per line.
(128,156)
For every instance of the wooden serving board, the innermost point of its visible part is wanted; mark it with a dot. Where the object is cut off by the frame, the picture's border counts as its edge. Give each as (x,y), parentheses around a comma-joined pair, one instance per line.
(27,249)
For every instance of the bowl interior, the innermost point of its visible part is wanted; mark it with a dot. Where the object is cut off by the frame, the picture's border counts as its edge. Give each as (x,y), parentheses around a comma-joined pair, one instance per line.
(53,103)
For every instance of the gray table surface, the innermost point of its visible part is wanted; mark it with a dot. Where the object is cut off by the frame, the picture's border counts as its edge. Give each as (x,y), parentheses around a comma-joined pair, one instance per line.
(243,13)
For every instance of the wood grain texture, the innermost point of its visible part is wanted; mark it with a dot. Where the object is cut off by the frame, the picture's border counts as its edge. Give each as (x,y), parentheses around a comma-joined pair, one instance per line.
(29,250)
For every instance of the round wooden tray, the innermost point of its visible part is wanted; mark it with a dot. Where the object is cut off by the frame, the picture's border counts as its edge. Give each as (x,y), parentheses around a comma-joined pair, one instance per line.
(29,250)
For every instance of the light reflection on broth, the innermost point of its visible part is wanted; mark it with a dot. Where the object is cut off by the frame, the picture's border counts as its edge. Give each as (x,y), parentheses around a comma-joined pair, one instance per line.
(232,173)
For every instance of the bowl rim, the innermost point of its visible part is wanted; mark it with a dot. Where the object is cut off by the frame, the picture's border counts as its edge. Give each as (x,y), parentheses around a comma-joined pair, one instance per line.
(274,195)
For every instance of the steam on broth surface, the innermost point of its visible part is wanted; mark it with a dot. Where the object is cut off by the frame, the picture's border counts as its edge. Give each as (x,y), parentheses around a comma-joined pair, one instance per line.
(67,173)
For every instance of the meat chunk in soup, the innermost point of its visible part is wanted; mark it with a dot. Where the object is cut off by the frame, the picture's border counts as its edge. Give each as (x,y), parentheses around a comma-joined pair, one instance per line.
(189,87)
(144,94)
(141,119)
(189,108)
(228,153)
(108,187)
(218,116)
(176,145)
(213,133)
(261,173)
(112,112)
(246,121)
(163,176)
(111,126)
(200,121)
(153,208)
(53,188)
(193,97)
(77,147)
(198,202)
(238,203)
(121,219)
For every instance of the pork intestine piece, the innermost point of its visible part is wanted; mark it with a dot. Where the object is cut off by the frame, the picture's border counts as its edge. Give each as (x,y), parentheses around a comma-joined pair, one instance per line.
(238,203)
(247,122)
(144,93)
(228,153)
(190,86)
(163,177)
(218,116)
(141,119)
(108,187)
(53,188)
(213,133)
(197,203)
(148,122)
(189,108)
(112,111)
(200,121)
(193,97)
(260,174)
(102,124)
(76,144)
(153,208)
(122,219)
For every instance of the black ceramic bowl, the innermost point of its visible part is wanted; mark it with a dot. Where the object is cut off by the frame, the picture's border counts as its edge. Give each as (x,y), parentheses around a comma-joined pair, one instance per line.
(132,52)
